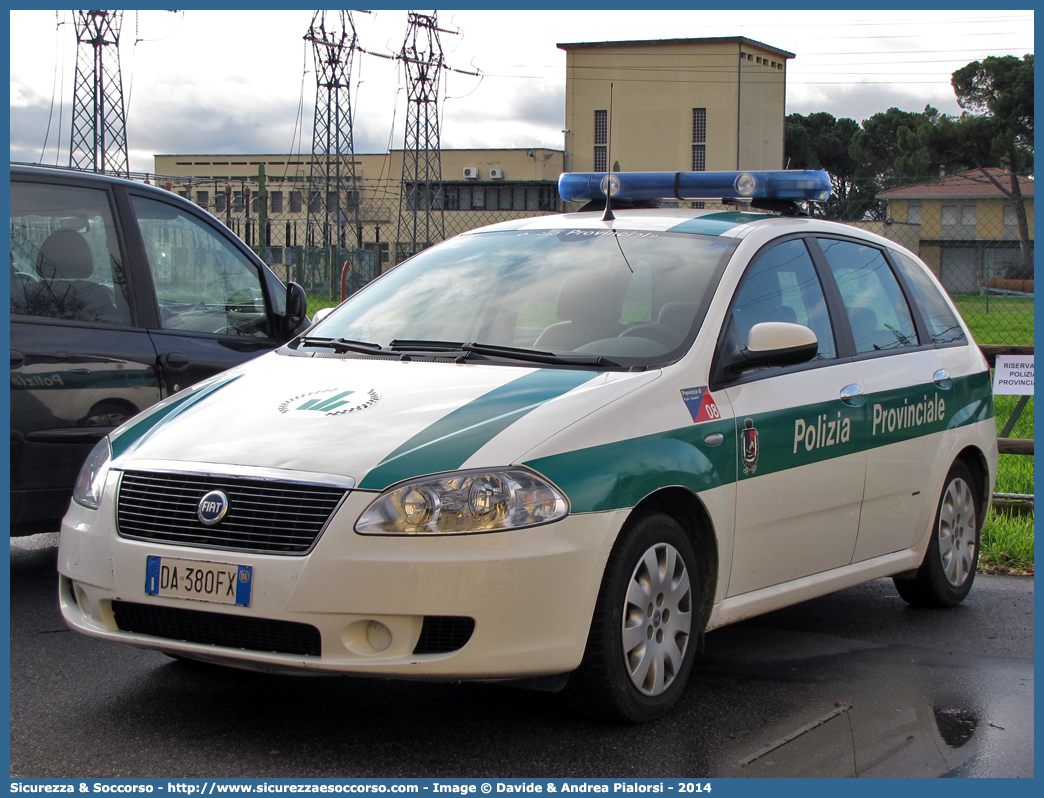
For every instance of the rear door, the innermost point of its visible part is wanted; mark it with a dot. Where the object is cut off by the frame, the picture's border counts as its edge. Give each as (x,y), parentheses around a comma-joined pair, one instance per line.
(80,362)
(909,397)
(209,305)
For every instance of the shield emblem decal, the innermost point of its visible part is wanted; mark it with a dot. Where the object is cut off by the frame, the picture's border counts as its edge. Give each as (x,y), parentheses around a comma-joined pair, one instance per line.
(750,446)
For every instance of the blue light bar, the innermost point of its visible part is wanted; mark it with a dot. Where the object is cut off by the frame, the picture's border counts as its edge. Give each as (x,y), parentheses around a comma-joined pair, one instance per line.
(780,185)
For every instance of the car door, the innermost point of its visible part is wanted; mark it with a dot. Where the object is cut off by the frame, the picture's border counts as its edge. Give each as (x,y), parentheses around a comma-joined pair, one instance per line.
(80,362)
(211,310)
(800,470)
(908,391)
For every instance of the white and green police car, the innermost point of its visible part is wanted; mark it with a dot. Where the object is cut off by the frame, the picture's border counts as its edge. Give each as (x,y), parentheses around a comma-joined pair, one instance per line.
(556,451)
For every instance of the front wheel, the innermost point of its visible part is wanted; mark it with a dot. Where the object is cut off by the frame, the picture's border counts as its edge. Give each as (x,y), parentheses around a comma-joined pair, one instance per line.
(948,569)
(642,640)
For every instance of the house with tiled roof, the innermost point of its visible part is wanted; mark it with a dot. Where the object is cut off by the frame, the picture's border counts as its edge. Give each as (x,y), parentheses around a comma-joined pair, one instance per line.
(965,228)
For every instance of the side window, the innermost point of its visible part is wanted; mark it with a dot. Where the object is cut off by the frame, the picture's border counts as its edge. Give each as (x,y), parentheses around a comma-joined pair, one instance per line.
(942,324)
(203,283)
(65,259)
(876,307)
(783,286)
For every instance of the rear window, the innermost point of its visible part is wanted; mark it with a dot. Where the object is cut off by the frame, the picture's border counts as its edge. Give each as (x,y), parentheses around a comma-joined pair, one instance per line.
(943,326)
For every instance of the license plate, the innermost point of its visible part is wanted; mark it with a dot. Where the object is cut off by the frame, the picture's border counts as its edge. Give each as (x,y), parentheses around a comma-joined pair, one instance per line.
(220,583)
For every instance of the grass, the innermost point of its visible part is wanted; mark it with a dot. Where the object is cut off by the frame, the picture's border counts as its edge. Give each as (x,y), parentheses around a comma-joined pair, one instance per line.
(997,319)
(1006,544)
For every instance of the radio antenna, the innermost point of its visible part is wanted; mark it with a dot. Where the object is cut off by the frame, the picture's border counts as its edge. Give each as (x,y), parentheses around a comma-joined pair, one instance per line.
(608,215)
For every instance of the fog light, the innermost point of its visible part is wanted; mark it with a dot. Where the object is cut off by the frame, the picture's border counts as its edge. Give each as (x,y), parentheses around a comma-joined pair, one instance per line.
(378,635)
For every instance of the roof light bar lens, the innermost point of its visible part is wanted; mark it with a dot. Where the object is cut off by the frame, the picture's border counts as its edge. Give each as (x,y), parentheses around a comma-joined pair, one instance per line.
(785,185)
(745,185)
(613,184)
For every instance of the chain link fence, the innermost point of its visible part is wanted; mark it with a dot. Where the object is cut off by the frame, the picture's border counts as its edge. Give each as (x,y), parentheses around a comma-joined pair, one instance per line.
(334,245)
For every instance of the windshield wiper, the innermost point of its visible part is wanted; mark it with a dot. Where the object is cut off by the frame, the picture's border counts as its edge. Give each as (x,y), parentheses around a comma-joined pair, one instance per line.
(538,356)
(419,345)
(342,345)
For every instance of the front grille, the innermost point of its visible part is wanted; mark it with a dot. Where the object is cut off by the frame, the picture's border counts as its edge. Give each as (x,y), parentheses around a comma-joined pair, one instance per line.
(217,629)
(264,516)
(442,634)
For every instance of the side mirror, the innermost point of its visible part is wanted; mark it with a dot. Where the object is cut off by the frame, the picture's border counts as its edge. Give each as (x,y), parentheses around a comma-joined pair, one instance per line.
(771,343)
(296,317)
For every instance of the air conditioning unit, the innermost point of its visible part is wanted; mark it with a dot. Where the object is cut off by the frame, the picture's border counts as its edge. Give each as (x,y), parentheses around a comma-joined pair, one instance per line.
(471,172)
(496,174)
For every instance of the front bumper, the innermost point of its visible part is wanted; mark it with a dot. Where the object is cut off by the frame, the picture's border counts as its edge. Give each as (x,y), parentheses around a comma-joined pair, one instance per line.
(530,592)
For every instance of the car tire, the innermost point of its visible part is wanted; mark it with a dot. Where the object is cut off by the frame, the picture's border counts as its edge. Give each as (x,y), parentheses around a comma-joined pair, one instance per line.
(643,634)
(948,569)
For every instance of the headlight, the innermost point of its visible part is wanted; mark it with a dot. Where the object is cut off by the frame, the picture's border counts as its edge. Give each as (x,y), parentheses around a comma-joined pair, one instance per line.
(91,481)
(464,502)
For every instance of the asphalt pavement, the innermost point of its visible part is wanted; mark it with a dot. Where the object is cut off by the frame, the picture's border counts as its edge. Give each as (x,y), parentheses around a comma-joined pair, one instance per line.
(852,684)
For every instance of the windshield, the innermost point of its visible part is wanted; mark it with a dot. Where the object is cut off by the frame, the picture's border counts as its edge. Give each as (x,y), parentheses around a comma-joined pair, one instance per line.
(629,297)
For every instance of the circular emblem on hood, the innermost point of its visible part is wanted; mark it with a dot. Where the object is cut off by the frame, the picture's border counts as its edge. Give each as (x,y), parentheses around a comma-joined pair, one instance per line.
(329,402)
(212,508)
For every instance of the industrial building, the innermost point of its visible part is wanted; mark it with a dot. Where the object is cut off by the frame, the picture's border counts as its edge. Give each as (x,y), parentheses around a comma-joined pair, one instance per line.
(676,105)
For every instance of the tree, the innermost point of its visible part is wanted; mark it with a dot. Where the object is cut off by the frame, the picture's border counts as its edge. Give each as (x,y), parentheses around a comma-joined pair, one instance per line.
(819,141)
(878,145)
(997,96)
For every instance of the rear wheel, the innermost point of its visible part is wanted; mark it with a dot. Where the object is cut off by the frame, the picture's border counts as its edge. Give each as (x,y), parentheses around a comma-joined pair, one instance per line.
(642,640)
(948,569)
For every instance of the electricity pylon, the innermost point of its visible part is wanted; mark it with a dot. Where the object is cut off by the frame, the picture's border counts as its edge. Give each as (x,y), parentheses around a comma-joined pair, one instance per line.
(333,199)
(421,218)
(99,126)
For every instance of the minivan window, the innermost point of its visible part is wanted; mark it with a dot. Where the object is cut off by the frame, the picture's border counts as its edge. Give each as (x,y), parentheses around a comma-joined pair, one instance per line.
(65,258)
(203,283)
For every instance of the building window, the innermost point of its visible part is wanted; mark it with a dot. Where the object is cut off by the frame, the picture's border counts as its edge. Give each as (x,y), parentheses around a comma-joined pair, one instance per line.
(699,125)
(184,193)
(968,215)
(296,202)
(600,159)
(949,215)
(219,203)
(1010,219)
(277,202)
(202,198)
(276,254)
(601,130)
(913,214)
(699,157)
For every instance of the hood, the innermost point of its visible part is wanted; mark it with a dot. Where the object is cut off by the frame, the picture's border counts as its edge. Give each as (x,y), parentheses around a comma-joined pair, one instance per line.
(374,421)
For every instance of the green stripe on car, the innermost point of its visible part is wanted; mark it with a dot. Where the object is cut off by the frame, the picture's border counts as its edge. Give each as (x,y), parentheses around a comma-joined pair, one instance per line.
(715,224)
(618,475)
(134,434)
(450,441)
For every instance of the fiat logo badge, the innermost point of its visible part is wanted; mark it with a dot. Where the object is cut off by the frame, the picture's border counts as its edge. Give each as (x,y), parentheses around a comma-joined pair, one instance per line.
(212,508)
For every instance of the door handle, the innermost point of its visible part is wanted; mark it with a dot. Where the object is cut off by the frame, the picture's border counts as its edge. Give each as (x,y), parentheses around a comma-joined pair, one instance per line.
(942,379)
(175,361)
(852,395)
(17,358)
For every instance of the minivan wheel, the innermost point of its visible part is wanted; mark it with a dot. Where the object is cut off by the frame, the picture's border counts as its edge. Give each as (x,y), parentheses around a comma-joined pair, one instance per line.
(643,634)
(948,569)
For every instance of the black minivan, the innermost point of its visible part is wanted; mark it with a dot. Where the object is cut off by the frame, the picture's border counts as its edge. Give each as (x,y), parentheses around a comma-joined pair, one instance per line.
(121,295)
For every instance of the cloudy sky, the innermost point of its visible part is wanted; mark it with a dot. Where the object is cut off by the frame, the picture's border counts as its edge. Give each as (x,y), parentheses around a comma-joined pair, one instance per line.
(243,81)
